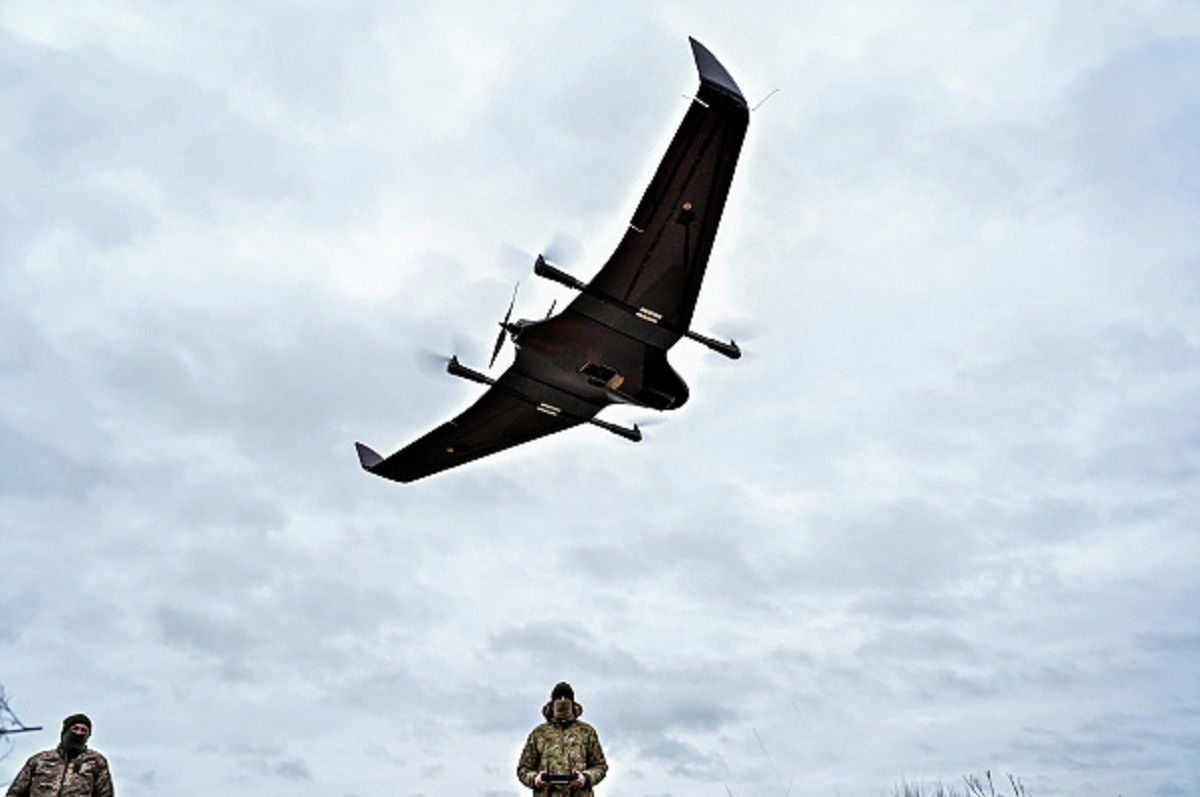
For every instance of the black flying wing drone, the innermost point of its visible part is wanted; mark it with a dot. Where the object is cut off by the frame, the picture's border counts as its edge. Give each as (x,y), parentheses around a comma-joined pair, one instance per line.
(610,344)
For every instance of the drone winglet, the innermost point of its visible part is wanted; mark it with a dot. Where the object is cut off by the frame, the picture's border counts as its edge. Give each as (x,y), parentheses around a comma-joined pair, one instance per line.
(367,457)
(713,73)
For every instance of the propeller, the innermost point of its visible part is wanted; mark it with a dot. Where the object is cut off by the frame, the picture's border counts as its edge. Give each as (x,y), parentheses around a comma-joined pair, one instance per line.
(741,328)
(644,421)
(563,249)
(432,362)
(504,327)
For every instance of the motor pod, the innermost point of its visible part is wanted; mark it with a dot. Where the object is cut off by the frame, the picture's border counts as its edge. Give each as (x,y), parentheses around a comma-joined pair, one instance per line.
(544,269)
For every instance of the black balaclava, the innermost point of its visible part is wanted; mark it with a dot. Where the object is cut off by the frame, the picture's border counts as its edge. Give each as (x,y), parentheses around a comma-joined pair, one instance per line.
(562,703)
(75,743)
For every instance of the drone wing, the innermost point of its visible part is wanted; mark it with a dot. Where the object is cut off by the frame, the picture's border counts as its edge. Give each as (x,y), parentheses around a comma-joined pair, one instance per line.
(515,410)
(659,264)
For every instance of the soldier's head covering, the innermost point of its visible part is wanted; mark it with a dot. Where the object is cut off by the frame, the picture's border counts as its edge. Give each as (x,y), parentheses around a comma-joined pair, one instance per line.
(75,743)
(562,707)
(77,719)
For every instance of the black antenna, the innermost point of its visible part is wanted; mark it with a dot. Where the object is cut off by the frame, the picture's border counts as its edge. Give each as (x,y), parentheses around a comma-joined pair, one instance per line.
(10,723)
(7,731)
(764,99)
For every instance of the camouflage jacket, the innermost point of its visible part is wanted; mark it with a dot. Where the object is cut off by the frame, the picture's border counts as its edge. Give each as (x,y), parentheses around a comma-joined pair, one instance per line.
(50,774)
(562,747)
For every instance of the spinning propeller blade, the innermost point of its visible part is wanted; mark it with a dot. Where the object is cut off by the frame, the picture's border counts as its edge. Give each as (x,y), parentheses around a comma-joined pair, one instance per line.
(563,249)
(504,327)
(431,363)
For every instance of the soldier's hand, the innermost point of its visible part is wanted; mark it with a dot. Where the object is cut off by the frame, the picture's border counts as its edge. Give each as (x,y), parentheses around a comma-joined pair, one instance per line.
(539,782)
(579,782)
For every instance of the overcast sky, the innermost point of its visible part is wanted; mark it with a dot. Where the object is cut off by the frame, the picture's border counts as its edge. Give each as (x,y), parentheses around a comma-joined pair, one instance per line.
(943,517)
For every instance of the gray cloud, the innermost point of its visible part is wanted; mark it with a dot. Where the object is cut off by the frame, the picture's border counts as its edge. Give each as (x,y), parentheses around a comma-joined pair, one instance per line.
(939,519)
(260,760)
(685,761)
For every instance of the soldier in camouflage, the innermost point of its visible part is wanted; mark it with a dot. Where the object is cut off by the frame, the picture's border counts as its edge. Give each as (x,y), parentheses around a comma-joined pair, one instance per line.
(562,744)
(69,770)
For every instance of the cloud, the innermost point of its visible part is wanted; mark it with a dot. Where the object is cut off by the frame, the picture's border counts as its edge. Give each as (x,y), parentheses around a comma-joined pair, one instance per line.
(938,519)
(685,761)
(261,760)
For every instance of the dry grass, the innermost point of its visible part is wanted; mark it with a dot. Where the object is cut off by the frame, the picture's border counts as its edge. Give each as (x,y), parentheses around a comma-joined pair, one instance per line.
(973,786)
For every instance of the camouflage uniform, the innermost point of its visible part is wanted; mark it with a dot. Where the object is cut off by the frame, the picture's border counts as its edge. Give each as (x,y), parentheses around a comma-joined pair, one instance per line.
(50,774)
(562,747)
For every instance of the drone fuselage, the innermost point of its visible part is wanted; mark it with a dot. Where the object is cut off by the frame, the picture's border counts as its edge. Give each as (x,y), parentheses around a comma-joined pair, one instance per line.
(598,363)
